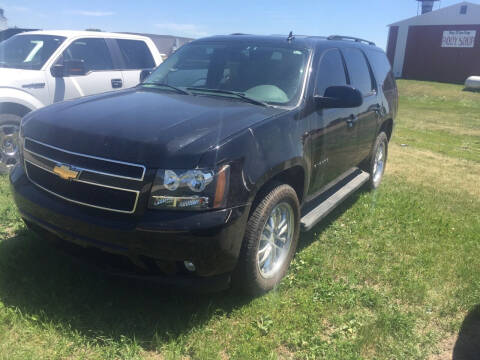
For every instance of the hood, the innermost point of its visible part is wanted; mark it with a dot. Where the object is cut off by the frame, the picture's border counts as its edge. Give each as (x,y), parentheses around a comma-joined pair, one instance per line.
(154,128)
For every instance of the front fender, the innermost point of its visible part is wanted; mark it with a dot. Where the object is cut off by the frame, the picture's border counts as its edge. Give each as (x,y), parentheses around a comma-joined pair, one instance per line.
(258,154)
(279,146)
(20,97)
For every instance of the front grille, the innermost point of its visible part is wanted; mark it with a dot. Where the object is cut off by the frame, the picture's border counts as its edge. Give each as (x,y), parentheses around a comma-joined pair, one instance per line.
(82,193)
(105,166)
(114,187)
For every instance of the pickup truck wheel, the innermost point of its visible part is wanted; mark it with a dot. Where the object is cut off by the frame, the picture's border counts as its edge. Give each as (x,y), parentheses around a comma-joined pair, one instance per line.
(9,151)
(378,161)
(270,242)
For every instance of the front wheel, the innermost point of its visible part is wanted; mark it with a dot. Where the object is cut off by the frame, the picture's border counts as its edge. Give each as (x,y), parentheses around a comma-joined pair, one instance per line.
(270,242)
(9,145)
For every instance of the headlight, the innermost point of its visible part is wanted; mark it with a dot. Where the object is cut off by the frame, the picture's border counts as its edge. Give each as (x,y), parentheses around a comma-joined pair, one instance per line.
(190,189)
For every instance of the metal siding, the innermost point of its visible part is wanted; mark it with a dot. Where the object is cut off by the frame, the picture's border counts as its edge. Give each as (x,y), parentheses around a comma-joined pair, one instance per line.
(425,59)
(392,43)
(449,15)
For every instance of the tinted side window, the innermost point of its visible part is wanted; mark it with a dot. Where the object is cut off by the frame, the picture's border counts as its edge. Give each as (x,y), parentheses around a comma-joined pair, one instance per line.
(358,70)
(381,68)
(93,52)
(331,72)
(136,54)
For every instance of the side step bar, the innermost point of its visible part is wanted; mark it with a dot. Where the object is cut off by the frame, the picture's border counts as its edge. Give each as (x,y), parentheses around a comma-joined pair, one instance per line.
(332,199)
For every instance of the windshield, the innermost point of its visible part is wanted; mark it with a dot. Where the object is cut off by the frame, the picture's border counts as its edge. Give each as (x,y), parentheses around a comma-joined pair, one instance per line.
(28,51)
(269,74)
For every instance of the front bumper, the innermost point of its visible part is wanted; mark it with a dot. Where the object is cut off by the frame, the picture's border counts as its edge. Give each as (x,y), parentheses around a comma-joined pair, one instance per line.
(211,239)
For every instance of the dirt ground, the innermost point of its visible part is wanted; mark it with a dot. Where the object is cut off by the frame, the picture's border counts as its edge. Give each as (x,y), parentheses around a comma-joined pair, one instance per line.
(465,345)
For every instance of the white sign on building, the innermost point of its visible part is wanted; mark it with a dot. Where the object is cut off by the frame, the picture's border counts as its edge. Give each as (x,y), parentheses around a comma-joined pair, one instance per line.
(459,39)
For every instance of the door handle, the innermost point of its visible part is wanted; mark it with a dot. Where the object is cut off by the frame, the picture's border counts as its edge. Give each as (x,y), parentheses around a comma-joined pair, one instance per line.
(351,120)
(117,83)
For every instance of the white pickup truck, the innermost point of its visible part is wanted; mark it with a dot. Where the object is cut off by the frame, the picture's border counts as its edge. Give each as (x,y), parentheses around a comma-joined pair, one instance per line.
(40,68)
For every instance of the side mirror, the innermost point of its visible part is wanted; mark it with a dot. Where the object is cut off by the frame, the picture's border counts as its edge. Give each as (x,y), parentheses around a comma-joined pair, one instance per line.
(339,97)
(74,67)
(57,70)
(144,74)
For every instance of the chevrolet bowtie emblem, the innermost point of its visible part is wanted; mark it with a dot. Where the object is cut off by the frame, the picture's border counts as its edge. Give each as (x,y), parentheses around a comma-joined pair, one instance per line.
(66,172)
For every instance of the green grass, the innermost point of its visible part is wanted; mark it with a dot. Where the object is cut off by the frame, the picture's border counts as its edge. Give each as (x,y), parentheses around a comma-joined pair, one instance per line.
(388,275)
(440,117)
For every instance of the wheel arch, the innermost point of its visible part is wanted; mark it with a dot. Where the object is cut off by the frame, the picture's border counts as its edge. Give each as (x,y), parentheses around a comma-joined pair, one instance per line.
(293,173)
(17,102)
(387,127)
(14,109)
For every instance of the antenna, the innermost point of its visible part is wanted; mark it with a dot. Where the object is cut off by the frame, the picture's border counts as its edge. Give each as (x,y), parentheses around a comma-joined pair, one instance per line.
(290,37)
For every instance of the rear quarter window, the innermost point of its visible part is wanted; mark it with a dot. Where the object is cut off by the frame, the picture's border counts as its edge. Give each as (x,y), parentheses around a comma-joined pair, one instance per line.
(358,70)
(136,54)
(381,68)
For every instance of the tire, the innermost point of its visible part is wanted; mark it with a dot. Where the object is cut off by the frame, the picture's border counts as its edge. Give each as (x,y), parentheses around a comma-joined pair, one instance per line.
(9,146)
(250,276)
(376,166)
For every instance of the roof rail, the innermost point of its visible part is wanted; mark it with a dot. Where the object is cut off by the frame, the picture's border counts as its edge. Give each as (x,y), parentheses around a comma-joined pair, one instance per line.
(341,37)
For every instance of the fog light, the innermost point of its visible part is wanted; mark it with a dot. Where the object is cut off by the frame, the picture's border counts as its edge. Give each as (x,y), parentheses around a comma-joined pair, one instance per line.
(181,202)
(190,266)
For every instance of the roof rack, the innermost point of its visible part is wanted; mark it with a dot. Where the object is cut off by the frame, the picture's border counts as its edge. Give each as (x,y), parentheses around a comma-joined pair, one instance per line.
(351,38)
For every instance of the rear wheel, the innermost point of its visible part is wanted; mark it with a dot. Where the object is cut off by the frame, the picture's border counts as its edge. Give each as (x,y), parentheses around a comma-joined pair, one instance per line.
(270,242)
(9,144)
(378,161)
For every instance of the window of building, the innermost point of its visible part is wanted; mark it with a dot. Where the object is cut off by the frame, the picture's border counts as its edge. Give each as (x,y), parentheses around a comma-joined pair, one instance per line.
(464,9)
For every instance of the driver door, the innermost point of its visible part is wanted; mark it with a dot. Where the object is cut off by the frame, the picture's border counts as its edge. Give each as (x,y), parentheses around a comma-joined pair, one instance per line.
(100,75)
(333,140)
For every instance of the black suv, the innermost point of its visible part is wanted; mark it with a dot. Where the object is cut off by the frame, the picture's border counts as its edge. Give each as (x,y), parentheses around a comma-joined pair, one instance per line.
(206,172)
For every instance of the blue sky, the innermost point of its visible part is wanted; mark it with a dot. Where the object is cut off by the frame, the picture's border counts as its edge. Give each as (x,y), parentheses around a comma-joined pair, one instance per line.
(362,18)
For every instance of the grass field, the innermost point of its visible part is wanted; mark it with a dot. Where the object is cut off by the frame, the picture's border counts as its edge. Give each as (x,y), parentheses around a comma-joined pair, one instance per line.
(392,274)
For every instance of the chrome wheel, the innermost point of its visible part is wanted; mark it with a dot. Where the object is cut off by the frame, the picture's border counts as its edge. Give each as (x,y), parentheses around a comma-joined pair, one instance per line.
(276,240)
(379,164)
(9,152)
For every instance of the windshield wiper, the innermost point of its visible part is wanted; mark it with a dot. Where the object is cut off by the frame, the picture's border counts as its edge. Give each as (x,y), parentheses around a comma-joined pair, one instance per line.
(177,89)
(235,93)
